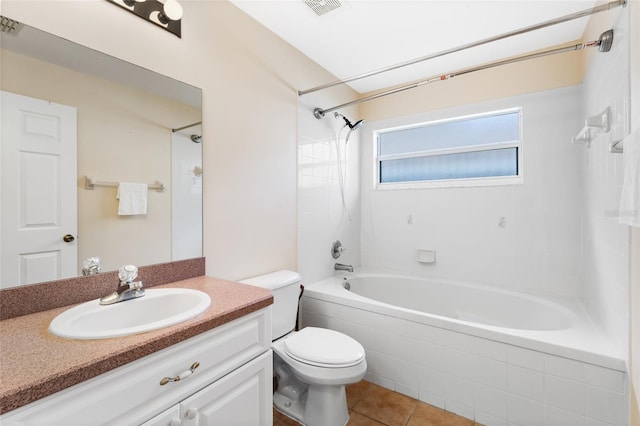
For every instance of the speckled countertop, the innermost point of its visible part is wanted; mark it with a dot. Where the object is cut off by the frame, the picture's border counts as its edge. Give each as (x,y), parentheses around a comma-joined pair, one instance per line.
(34,363)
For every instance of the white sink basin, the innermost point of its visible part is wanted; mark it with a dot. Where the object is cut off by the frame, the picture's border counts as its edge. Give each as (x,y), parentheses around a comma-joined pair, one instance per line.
(158,308)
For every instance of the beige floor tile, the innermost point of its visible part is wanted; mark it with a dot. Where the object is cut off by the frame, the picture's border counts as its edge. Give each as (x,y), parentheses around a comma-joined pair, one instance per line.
(385,406)
(373,405)
(356,391)
(357,419)
(428,415)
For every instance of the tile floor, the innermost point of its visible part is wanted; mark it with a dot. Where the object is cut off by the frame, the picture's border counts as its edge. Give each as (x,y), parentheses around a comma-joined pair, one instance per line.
(373,405)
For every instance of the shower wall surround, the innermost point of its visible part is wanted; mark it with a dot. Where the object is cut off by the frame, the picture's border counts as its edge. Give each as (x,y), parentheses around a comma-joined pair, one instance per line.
(322,218)
(523,237)
(605,242)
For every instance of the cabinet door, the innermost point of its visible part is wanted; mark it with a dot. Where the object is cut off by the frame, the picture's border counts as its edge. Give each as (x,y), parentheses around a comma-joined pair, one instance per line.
(170,417)
(241,398)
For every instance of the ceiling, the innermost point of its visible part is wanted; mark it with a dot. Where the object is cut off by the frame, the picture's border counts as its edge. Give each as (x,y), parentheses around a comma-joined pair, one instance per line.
(365,35)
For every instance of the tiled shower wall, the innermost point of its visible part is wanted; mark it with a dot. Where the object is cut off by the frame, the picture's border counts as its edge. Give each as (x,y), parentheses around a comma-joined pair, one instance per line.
(520,237)
(322,218)
(605,242)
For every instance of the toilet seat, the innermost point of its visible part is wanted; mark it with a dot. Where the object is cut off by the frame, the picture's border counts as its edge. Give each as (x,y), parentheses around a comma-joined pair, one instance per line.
(324,348)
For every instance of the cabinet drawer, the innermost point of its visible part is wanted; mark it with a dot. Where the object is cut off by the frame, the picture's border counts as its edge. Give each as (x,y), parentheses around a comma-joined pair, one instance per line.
(132,393)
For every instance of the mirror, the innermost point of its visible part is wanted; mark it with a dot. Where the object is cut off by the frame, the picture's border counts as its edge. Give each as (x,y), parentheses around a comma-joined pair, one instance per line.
(131,125)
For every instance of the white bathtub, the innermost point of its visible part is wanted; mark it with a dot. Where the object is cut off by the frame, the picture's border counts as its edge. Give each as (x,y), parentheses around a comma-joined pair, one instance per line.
(495,356)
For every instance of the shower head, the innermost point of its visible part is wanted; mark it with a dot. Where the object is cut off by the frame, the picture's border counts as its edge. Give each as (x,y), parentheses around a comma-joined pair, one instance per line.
(357,124)
(352,126)
(196,138)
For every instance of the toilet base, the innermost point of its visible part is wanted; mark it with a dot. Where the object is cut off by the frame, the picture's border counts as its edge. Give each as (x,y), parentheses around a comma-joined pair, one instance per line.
(327,407)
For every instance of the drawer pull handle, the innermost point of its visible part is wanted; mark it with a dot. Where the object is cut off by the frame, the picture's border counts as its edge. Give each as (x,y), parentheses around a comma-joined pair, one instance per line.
(182,376)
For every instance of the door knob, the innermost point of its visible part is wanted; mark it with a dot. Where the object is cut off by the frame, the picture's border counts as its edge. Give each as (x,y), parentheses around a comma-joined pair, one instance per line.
(68,238)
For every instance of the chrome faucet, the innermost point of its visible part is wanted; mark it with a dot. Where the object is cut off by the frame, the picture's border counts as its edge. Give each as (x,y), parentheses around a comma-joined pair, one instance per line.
(342,267)
(127,289)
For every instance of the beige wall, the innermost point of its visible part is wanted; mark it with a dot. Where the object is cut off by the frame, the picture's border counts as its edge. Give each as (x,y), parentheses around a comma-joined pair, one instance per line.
(545,73)
(123,135)
(249,79)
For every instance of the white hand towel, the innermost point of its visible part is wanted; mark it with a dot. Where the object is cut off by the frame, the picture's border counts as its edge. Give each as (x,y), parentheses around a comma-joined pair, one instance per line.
(133,198)
(630,197)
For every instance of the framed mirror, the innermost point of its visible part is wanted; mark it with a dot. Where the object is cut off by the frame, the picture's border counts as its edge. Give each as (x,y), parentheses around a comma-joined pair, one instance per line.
(130,125)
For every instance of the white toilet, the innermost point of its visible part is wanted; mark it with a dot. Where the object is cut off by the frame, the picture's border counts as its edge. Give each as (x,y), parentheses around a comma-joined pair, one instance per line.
(312,365)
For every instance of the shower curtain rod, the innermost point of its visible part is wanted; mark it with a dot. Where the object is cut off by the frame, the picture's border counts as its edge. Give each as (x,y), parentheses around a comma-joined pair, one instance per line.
(186,127)
(560,20)
(604,42)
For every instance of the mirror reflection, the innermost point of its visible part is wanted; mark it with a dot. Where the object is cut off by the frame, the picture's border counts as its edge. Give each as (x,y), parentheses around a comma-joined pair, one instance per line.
(72,116)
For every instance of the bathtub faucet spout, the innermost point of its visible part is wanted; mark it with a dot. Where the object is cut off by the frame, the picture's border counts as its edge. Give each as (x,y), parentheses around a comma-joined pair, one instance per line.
(342,267)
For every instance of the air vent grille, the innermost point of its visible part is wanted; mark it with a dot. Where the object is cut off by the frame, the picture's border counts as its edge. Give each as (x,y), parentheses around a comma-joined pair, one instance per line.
(320,7)
(9,26)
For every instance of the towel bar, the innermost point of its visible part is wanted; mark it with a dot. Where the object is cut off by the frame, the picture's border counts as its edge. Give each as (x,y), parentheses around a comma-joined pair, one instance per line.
(90,184)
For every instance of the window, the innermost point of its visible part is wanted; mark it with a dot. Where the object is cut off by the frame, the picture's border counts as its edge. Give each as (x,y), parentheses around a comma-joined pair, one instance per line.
(466,151)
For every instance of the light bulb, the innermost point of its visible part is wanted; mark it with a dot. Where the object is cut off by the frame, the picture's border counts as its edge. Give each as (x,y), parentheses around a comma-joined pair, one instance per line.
(171,11)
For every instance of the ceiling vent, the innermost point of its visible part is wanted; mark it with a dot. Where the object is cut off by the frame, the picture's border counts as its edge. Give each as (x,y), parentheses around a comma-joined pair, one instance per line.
(320,7)
(9,26)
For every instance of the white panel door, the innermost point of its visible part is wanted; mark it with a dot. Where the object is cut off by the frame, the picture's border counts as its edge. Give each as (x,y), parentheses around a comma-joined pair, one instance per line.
(38,206)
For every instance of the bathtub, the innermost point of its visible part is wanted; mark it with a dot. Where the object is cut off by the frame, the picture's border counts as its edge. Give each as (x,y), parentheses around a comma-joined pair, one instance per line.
(494,356)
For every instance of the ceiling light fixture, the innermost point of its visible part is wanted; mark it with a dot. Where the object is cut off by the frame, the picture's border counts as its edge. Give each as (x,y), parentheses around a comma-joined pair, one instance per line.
(164,13)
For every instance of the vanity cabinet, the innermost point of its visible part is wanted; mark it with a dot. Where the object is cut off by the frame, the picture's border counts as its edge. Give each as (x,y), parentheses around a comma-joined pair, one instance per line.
(226,379)
(236,399)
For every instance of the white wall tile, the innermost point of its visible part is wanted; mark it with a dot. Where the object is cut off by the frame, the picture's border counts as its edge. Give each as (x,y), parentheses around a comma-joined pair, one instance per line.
(606,406)
(432,381)
(488,420)
(566,368)
(459,409)
(558,417)
(435,400)
(606,378)
(525,383)
(541,210)
(379,380)
(524,412)
(490,373)
(491,401)
(606,243)
(525,358)
(593,422)
(565,394)
(406,390)
(459,391)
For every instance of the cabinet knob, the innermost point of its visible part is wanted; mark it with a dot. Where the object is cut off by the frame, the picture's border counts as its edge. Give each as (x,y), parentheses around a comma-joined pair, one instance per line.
(192,413)
(175,422)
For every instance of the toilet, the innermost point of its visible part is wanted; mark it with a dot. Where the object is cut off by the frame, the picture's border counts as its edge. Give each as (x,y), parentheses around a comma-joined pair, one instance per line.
(312,365)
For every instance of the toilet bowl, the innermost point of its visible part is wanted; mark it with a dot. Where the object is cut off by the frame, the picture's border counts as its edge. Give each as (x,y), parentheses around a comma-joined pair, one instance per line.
(312,365)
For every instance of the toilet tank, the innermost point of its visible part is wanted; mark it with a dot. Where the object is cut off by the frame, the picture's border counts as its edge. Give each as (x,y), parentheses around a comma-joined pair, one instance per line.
(285,286)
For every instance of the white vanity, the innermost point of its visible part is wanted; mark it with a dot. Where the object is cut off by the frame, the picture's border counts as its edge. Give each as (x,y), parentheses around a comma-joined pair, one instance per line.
(225,372)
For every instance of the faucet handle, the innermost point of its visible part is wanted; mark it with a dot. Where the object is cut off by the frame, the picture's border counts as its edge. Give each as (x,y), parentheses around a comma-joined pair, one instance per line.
(91,266)
(127,273)
(336,249)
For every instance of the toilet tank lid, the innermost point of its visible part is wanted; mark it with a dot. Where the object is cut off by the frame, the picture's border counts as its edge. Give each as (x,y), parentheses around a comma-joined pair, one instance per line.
(274,280)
